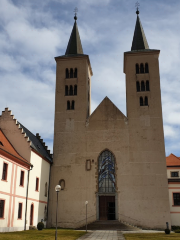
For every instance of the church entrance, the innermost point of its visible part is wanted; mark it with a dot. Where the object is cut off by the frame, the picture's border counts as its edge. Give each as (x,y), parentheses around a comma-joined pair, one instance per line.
(106,207)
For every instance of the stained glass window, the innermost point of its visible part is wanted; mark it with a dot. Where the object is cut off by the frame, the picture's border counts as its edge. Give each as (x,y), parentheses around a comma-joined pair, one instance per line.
(106,172)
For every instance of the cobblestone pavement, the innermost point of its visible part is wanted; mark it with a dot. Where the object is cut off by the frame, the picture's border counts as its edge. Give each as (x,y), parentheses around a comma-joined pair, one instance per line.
(102,234)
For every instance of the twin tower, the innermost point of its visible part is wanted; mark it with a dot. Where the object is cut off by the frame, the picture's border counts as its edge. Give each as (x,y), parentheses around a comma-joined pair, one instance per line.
(113,161)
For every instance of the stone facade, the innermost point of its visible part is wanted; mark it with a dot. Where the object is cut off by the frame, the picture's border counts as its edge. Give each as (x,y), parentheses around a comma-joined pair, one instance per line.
(136,141)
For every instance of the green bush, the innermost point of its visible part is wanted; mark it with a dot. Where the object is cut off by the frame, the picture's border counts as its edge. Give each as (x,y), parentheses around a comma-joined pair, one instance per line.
(40,225)
(177,231)
(167,231)
(175,228)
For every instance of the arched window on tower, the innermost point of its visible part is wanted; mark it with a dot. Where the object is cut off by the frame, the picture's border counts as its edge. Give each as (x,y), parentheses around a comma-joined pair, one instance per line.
(141,101)
(73,105)
(71,90)
(137,68)
(75,73)
(106,170)
(68,105)
(75,90)
(67,73)
(142,68)
(146,101)
(137,86)
(71,73)
(147,86)
(142,86)
(146,68)
(66,90)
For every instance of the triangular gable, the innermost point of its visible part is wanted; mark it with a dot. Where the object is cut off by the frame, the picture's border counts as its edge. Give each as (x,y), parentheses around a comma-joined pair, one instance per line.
(172,160)
(107,110)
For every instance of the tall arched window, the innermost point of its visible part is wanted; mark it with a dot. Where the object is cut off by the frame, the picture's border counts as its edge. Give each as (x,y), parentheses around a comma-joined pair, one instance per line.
(146,68)
(106,164)
(75,90)
(72,105)
(147,86)
(141,101)
(146,101)
(142,68)
(45,190)
(71,90)
(137,86)
(75,73)
(71,73)
(66,90)
(137,68)
(67,73)
(68,105)
(142,86)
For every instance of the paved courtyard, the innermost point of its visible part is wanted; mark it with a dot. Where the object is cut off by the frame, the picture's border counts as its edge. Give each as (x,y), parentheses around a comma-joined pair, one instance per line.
(102,234)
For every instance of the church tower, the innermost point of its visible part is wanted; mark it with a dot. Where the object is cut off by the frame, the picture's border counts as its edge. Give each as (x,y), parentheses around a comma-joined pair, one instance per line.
(146,136)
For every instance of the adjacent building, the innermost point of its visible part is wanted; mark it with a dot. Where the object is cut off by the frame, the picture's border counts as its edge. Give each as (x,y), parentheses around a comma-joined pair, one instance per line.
(24,167)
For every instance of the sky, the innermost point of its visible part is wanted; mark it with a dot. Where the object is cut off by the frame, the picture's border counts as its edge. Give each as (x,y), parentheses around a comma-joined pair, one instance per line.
(33,32)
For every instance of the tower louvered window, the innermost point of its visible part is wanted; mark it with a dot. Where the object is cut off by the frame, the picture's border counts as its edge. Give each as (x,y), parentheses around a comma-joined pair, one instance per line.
(147,86)
(146,101)
(71,73)
(142,68)
(75,73)
(68,105)
(146,68)
(141,101)
(137,86)
(67,73)
(73,105)
(71,90)
(75,90)
(66,90)
(142,86)
(137,68)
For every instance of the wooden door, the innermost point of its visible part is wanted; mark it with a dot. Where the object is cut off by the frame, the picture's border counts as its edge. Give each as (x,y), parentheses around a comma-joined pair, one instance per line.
(106,207)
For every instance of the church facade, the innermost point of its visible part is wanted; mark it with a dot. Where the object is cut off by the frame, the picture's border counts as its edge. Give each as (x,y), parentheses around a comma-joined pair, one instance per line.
(115,162)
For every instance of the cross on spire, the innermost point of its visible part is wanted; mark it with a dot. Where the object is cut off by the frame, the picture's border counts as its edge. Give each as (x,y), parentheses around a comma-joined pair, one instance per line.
(137,4)
(75,13)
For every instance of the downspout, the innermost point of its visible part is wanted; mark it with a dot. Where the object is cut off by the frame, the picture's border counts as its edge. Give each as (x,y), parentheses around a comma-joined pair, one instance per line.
(27,188)
(48,193)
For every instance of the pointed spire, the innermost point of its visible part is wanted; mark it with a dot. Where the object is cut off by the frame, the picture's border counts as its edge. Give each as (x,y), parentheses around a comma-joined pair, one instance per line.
(74,45)
(139,40)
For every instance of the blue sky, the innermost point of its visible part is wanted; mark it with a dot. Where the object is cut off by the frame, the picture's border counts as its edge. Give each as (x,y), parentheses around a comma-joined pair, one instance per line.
(33,32)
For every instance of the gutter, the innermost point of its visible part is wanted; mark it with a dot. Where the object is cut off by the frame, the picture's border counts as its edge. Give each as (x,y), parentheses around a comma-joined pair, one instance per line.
(27,188)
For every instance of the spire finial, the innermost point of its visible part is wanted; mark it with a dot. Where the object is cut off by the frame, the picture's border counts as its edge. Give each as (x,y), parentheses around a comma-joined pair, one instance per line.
(75,13)
(137,7)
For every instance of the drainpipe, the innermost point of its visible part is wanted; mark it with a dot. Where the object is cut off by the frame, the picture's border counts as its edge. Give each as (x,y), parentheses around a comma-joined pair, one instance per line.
(27,188)
(48,193)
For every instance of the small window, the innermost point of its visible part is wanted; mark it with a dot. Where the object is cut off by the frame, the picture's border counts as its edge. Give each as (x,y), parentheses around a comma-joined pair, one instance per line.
(141,101)
(71,90)
(176,198)
(68,105)
(75,73)
(137,87)
(22,178)
(67,73)
(20,211)
(2,205)
(75,90)
(88,165)
(174,174)
(62,184)
(137,68)
(146,101)
(71,73)
(146,68)
(37,184)
(45,192)
(66,90)
(73,105)
(4,173)
(142,86)
(142,68)
(147,86)
(45,213)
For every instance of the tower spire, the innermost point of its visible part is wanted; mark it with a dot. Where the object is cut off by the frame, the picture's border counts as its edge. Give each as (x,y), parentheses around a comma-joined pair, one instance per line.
(139,40)
(74,46)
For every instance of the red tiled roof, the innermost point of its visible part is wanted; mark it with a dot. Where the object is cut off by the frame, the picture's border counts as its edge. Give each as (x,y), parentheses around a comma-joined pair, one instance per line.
(7,147)
(172,160)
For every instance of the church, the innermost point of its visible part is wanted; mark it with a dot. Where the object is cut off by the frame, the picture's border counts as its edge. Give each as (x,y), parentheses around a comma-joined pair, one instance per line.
(116,162)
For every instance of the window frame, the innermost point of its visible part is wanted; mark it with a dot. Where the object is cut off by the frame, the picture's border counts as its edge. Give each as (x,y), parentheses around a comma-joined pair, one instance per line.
(20,217)
(22,185)
(1,199)
(37,185)
(175,172)
(178,205)
(6,174)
